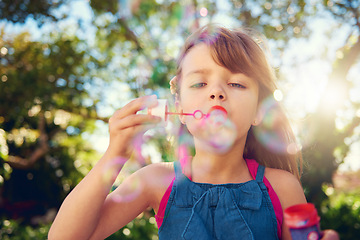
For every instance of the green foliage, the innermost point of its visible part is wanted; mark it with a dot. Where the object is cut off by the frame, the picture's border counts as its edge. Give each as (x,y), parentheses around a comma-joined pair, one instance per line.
(104,6)
(43,111)
(19,11)
(342,213)
(143,227)
(51,91)
(279,20)
(11,229)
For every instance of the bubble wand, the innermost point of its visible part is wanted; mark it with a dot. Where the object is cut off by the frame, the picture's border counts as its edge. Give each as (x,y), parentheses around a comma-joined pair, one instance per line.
(161,110)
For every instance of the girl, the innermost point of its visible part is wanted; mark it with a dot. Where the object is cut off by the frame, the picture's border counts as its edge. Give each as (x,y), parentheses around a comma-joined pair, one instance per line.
(233,192)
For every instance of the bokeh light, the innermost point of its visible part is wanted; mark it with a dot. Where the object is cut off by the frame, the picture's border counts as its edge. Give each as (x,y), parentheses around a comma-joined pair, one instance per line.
(137,44)
(278,95)
(203,12)
(3,51)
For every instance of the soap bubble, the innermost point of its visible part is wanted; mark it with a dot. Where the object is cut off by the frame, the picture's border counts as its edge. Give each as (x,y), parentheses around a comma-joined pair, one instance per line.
(186,147)
(112,168)
(215,132)
(270,132)
(111,171)
(129,192)
(137,144)
(217,116)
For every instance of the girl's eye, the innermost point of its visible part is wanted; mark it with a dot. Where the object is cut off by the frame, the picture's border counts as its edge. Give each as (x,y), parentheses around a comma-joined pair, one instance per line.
(236,85)
(198,85)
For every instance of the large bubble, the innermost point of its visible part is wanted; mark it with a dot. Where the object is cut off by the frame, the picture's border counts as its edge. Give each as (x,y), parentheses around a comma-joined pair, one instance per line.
(271,133)
(215,132)
(112,168)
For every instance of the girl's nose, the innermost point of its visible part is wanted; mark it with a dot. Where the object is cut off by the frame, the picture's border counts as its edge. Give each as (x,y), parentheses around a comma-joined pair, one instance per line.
(217,92)
(217,96)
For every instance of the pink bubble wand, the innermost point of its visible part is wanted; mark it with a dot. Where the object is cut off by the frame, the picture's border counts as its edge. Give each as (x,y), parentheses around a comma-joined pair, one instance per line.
(161,110)
(197,114)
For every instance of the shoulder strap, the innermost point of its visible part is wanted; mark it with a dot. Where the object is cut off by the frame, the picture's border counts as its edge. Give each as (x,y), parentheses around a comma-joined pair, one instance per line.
(178,170)
(256,170)
(260,173)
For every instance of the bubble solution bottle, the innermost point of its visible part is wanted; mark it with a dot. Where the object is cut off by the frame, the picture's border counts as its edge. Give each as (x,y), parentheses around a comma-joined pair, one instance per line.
(303,222)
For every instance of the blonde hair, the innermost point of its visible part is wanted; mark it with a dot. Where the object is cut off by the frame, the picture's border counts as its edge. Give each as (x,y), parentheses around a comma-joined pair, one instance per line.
(239,52)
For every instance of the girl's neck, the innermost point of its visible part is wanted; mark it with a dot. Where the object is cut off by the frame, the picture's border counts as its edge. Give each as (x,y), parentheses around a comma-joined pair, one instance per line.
(213,168)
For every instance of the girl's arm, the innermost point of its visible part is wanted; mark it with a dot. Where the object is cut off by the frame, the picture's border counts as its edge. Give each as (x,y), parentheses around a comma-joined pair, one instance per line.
(88,206)
(125,203)
(142,189)
(288,190)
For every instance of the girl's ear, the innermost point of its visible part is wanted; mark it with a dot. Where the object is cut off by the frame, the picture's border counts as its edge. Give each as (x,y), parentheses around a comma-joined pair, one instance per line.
(259,117)
(179,109)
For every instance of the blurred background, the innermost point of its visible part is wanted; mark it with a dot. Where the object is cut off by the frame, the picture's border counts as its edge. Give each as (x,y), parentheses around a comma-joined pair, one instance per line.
(65,66)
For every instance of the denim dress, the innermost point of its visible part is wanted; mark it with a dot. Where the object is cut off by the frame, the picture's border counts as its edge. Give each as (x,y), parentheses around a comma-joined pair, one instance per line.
(203,211)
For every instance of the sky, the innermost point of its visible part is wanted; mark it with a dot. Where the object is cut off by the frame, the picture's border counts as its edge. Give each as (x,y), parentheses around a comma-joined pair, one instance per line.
(300,90)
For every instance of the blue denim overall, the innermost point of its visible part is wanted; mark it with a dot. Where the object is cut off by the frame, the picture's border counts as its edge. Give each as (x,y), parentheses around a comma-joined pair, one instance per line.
(204,211)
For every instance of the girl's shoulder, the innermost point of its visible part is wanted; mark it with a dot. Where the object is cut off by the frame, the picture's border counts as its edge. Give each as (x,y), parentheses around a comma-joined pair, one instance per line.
(279,176)
(159,169)
(157,177)
(287,187)
(156,174)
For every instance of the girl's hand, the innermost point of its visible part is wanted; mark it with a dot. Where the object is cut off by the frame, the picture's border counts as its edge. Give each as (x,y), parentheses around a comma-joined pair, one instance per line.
(125,125)
(330,235)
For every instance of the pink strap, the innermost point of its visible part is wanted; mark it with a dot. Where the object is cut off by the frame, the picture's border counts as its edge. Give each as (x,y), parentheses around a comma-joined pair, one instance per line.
(159,217)
(253,166)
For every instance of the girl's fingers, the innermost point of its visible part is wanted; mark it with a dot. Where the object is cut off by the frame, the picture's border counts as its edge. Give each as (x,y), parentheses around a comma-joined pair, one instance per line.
(330,234)
(135,120)
(124,131)
(125,125)
(136,105)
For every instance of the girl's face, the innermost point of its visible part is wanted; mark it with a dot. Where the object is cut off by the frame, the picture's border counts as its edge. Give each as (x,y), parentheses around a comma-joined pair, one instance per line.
(205,84)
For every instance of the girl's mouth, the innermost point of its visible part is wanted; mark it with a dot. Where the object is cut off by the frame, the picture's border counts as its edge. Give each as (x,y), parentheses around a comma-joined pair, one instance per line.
(218,108)
(217,115)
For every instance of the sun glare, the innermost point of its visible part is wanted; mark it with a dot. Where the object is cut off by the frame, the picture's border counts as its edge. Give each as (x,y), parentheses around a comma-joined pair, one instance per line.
(278,95)
(304,87)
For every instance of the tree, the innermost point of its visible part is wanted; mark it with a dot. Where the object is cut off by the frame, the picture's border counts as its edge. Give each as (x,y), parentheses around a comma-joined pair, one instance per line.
(329,147)
(50,93)
(44,109)
(19,11)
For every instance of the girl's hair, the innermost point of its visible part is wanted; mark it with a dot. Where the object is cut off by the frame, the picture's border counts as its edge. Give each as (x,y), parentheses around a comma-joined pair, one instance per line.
(239,52)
